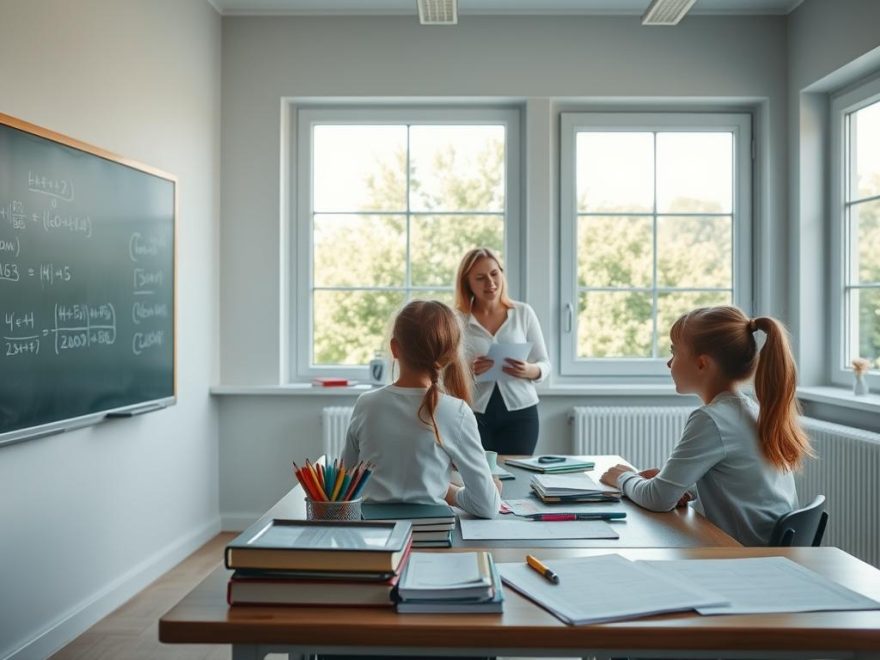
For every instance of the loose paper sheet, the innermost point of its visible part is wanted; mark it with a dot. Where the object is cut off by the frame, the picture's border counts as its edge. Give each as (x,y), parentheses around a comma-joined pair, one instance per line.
(764,584)
(498,353)
(603,588)
(476,529)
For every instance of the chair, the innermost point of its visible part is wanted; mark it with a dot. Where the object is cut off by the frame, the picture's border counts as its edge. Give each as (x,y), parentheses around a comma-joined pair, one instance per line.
(801,527)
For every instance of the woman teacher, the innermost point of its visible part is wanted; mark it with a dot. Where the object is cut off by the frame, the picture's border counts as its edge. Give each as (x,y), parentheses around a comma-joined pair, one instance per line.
(506,408)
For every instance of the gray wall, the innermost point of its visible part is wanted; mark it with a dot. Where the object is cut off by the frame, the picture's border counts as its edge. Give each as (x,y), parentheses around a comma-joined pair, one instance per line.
(90,517)
(543,64)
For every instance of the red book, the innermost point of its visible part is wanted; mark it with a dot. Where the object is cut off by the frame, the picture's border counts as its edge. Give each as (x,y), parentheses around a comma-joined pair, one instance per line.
(326,381)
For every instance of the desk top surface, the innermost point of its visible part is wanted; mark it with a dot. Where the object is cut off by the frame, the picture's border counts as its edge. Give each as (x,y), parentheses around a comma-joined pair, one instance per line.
(203,617)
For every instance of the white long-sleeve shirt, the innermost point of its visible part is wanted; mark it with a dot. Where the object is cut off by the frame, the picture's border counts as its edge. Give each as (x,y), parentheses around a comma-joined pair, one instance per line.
(520,326)
(410,465)
(719,453)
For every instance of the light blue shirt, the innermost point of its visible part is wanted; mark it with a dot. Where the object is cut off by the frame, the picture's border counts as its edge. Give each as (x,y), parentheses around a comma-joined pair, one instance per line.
(410,465)
(719,455)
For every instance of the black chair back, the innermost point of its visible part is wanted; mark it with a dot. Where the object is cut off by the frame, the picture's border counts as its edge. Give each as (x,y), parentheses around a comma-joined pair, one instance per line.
(801,527)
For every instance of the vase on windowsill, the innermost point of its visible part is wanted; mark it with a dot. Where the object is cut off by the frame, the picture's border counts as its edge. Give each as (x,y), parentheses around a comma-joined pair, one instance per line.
(860,372)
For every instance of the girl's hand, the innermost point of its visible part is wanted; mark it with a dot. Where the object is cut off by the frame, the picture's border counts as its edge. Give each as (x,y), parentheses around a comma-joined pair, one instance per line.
(521,369)
(610,477)
(482,364)
(451,492)
(687,497)
(650,473)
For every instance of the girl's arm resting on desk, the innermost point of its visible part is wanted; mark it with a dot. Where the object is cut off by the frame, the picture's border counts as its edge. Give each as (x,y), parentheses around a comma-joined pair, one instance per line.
(479,496)
(698,450)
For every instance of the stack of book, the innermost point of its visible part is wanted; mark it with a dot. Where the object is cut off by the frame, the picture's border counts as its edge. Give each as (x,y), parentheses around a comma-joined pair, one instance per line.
(553,464)
(305,562)
(432,524)
(559,488)
(463,582)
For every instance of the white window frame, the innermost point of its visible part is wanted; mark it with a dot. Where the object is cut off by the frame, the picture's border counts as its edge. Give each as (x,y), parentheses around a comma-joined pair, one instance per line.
(304,118)
(840,370)
(740,124)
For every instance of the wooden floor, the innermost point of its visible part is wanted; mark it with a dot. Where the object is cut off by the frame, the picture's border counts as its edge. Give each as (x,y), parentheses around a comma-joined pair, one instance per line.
(131,632)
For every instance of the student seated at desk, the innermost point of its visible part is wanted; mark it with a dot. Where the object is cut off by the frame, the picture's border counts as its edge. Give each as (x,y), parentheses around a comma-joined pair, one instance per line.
(417,428)
(739,459)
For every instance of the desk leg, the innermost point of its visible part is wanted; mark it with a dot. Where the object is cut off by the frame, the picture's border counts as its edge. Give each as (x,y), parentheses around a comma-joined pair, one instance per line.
(259,651)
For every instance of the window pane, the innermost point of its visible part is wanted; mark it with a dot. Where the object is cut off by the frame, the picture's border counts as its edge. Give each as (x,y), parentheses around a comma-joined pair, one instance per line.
(695,172)
(437,244)
(694,252)
(867,302)
(443,295)
(348,254)
(670,306)
(350,326)
(612,324)
(866,130)
(457,168)
(866,241)
(359,168)
(615,172)
(615,251)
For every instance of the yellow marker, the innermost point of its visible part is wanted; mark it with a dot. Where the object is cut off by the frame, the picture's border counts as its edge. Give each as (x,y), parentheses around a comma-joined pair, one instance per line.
(542,569)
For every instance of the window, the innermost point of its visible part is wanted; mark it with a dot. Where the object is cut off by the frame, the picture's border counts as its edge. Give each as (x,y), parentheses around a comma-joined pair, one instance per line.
(388,202)
(655,221)
(855,216)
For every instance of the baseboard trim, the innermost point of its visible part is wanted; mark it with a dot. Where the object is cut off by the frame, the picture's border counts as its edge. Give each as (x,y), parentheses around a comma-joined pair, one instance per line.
(88,612)
(238,522)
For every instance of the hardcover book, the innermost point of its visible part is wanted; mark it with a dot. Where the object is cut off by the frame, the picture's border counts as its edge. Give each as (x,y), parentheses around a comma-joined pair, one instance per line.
(248,589)
(313,545)
(417,514)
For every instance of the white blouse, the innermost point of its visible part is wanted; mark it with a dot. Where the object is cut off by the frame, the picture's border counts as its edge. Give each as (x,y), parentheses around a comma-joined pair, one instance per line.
(520,326)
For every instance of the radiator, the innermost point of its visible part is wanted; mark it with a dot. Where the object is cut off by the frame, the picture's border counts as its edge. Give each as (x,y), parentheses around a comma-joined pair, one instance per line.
(643,435)
(334,425)
(846,469)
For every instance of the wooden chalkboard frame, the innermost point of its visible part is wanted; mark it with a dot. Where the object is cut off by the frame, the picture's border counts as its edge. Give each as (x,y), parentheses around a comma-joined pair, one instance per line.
(96,417)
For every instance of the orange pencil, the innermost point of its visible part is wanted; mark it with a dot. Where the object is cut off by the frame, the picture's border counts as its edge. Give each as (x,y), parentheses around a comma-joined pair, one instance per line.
(312,474)
(304,481)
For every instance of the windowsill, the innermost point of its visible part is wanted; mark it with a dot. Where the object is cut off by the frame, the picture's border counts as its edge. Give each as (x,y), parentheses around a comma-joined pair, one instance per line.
(840,396)
(307,389)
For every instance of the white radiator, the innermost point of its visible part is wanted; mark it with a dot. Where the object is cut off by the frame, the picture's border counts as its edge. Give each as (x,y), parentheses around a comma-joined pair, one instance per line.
(847,472)
(643,435)
(846,469)
(334,424)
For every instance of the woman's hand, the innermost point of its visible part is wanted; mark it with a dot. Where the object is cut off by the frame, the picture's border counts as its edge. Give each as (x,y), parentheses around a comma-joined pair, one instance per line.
(650,473)
(521,369)
(610,477)
(684,499)
(482,364)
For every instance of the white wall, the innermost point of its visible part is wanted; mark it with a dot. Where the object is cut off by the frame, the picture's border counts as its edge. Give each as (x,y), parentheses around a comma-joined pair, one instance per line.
(830,46)
(89,517)
(544,63)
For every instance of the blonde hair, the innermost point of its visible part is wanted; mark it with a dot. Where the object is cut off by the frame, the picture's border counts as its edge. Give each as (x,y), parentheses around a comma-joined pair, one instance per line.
(428,336)
(726,334)
(464,296)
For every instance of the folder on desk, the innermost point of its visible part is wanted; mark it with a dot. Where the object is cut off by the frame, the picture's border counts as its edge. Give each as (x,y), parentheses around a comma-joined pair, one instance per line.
(572,488)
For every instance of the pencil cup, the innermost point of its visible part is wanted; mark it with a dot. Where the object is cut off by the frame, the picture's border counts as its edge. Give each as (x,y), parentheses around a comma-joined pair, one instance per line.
(346,510)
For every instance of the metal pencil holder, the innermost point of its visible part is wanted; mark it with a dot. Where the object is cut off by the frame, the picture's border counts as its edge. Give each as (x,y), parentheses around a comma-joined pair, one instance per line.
(345,510)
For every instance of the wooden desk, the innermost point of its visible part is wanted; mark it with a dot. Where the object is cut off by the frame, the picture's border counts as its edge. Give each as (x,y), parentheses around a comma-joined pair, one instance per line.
(680,528)
(524,629)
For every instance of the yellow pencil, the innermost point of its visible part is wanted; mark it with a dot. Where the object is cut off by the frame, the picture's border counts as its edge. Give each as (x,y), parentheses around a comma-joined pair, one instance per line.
(339,479)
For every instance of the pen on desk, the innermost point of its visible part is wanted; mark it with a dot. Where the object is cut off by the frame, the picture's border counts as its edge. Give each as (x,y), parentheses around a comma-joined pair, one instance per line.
(554,517)
(535,563)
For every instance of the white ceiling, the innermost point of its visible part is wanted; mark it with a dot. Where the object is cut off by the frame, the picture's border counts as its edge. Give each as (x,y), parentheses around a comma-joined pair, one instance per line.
(492,7)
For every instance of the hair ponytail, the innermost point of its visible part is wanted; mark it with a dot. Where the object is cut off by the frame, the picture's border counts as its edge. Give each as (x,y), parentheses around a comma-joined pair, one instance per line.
(783,441)
(429,336)
(727,336)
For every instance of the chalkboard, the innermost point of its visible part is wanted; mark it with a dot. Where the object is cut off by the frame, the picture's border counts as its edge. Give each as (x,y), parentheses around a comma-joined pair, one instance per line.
(86,283)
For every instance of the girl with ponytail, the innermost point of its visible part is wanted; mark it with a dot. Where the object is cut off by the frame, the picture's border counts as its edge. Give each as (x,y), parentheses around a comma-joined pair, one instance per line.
(737,458)
(417,428)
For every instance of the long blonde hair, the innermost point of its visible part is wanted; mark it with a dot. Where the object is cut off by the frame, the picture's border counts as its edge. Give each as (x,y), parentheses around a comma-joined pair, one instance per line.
(726,334)
(428,336)
(464,295)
